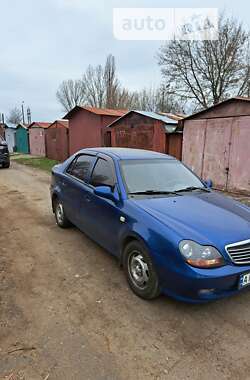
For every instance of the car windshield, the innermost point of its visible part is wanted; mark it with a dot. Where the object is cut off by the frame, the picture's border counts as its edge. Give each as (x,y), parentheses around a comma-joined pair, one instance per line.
(157,175)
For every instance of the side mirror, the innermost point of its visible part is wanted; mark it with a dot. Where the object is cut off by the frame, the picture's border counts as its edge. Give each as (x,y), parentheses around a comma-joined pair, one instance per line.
(106,192)
(208,183)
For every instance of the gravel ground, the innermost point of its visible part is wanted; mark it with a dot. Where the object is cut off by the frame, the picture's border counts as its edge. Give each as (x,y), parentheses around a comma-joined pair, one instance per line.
(66,311)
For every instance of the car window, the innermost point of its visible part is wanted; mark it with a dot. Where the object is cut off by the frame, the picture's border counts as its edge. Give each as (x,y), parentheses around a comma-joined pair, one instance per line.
(81,166)
(102,174)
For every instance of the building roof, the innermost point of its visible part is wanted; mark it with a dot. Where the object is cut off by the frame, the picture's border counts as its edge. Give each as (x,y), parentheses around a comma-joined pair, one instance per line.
(230,100)
(40,124)
(128,153)
(97,111)
(21,125)
(153,115)
(10,126)
(174,116)
(106,111)
(61,123)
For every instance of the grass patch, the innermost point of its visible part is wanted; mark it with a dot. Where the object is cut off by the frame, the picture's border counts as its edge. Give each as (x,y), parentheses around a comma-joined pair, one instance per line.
(37,162)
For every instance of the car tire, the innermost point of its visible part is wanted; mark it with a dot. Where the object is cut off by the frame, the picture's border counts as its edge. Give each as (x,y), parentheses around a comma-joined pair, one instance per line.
(6,166)
(61,219)
(140,272)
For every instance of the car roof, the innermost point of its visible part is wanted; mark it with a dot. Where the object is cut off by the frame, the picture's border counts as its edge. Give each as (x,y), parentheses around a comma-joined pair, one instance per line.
(128,153)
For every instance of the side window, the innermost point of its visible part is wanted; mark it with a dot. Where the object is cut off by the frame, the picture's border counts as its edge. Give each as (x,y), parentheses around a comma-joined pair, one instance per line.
(102,174)
(81,166)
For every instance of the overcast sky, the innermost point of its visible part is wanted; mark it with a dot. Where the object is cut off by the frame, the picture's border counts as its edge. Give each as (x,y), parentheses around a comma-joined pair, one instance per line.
(44,42)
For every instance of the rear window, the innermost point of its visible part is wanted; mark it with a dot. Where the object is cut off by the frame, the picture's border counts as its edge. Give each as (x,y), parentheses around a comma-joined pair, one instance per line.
(81,167)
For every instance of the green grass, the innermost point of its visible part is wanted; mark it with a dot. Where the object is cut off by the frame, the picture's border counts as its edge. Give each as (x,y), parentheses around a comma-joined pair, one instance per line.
(37,162)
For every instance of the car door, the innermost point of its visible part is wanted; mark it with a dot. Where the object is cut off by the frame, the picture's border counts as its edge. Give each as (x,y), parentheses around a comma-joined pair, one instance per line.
(74,187)
(103,214)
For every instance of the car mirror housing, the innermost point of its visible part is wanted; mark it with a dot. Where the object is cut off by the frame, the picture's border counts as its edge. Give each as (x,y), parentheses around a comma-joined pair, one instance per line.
(106,192)
(208,183)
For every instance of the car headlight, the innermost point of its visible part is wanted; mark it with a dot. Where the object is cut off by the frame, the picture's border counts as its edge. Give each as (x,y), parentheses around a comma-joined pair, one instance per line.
(200,256)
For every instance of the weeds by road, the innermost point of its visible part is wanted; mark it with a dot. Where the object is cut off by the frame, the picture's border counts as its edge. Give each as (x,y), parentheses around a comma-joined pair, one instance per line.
(37,162)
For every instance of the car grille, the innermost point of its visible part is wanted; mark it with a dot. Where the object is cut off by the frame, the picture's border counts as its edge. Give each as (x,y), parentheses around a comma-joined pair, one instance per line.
(239,252)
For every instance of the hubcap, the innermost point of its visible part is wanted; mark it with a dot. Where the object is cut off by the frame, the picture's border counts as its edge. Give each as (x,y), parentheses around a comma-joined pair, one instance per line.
(138,269)
(59,213)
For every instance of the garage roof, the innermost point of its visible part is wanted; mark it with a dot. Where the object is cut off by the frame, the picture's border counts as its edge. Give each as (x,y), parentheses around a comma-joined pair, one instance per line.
(97,111)
(153,115)
(40,124)
(215,106)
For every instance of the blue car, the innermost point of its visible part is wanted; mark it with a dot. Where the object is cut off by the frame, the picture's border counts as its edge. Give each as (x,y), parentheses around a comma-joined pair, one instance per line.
(169,230)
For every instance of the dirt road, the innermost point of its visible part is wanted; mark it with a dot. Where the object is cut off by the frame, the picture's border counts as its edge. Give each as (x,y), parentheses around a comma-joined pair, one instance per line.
(66,311)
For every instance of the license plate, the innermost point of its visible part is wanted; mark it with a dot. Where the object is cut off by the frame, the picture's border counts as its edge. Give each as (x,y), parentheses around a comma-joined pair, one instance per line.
(244,280)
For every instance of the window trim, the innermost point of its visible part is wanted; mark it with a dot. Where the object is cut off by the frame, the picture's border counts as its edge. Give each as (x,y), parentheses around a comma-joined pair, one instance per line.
(112,167)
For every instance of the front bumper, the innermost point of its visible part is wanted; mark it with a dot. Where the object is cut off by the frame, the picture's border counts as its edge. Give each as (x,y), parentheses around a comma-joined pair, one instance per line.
(4,158)
(202,285)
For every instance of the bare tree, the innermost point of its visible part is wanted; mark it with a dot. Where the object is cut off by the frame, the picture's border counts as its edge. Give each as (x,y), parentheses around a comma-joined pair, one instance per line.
(15,116)
(100,87)
(94,85)
(71,93)
(207,72)
(158,100)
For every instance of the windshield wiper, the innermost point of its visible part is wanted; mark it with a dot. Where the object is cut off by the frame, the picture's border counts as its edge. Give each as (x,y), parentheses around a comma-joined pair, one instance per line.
(191,188)
(153,192)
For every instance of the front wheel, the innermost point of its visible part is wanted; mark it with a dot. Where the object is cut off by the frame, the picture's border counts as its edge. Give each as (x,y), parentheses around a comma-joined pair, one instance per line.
(60,216)
(140,271)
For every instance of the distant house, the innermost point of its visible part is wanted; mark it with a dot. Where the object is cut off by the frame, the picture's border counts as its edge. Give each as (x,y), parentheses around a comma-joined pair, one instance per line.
(22,138)
(57,140)
(86,126)
(147,130)
(10,137)
(37,132)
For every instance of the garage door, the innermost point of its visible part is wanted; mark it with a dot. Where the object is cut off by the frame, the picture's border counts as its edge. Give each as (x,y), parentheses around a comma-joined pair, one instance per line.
(239,166)
(216,152)
(193,146)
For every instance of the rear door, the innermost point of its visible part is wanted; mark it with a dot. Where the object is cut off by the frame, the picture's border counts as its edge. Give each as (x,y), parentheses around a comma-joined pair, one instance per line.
(75,188)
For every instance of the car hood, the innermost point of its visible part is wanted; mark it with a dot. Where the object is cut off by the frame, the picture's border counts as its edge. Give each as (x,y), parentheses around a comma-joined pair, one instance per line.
(208,218)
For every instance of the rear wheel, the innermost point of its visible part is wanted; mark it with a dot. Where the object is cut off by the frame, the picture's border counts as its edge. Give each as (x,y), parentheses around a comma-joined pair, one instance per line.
(140,271)
(60,216)
(7,165)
